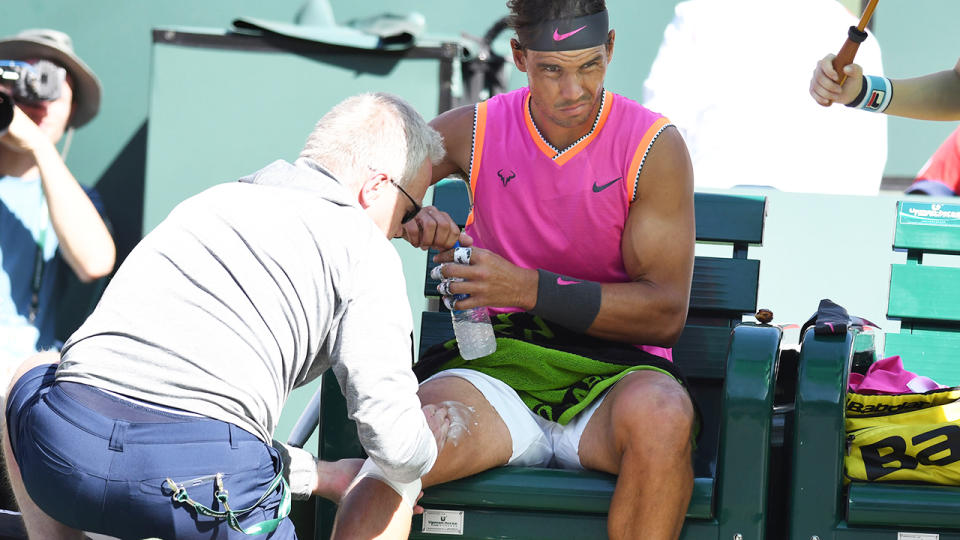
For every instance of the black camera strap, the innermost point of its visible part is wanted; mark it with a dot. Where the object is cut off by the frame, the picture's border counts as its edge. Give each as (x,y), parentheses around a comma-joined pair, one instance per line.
(39,263)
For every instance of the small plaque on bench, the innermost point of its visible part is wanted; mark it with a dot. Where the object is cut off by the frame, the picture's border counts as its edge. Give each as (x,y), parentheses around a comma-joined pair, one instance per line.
(447,522)
(910,536)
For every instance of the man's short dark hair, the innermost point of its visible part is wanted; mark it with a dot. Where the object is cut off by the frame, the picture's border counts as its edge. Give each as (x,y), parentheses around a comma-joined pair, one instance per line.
(527,13)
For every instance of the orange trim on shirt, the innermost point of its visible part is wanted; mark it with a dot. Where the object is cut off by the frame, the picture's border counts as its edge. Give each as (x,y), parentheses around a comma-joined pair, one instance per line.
(573,151)
(638,156)
(532,129)
(569,154)
(479,133)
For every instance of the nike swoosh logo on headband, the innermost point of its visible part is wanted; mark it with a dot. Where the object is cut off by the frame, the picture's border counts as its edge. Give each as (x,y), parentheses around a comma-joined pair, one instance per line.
(557,36)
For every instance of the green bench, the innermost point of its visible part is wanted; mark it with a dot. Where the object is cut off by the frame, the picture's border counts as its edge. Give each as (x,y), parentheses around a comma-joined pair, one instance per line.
(926,299)
(730,367)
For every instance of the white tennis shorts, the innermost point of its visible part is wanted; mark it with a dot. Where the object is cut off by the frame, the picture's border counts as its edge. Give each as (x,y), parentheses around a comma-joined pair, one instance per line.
(537,442)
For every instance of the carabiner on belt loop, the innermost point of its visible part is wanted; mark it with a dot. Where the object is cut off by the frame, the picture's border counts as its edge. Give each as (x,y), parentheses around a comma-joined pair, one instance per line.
(179,492)
(222,493)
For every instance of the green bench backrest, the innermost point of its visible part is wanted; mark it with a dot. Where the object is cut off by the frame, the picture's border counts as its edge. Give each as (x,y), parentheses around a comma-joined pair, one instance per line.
(926,297)
(723,290)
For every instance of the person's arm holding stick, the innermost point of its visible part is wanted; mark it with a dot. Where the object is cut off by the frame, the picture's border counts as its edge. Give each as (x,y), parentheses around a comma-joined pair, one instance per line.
(837,79)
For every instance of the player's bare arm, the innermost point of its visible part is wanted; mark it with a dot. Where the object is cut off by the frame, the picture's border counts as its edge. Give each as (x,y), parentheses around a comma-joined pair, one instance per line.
(658,244)
(456,127)
(931,97)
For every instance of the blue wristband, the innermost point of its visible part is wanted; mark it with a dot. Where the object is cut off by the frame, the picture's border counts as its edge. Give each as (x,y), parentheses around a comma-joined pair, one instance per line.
(875,94)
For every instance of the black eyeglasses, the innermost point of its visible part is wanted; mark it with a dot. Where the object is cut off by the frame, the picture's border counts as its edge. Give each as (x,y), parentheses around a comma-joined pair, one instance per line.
(409,214)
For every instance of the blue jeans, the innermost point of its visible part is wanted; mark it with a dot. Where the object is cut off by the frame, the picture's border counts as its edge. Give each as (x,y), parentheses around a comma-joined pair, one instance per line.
(99,463)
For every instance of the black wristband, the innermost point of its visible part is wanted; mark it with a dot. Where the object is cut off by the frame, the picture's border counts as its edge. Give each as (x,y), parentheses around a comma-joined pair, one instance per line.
(861,94)
(569,302)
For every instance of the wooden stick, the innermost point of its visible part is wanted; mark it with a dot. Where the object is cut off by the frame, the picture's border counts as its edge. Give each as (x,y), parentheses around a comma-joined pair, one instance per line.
(867,13)
(855,37)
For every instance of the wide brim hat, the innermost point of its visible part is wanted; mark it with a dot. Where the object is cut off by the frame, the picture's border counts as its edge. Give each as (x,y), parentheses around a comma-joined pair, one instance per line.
(57,47)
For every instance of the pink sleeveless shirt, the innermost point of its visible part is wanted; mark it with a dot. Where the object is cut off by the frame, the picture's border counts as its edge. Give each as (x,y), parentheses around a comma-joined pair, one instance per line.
(563,211)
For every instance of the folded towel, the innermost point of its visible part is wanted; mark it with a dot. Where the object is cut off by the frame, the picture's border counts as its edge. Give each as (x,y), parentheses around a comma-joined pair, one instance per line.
(557,373)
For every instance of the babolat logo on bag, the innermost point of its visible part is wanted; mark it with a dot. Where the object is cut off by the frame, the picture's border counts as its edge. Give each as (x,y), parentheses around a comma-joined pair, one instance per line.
(904,437)
(864,405)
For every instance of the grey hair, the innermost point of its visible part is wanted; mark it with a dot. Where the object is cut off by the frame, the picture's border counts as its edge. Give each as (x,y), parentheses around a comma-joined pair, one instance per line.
(377,130)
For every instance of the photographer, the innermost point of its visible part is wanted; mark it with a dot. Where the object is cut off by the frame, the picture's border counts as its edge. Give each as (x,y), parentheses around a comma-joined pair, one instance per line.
(46,216)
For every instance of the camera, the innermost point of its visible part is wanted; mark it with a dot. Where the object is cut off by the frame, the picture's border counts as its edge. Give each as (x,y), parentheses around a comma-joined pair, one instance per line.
(27,83)
(6,111)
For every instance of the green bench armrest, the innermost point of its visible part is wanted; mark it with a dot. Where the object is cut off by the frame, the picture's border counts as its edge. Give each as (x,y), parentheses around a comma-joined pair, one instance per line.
(744,452)
(819,435)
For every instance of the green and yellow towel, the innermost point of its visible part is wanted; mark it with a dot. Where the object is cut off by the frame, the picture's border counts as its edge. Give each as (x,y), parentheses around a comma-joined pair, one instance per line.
(557,373)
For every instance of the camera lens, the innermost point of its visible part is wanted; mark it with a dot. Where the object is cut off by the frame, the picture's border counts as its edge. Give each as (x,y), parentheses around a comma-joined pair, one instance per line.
(40,82)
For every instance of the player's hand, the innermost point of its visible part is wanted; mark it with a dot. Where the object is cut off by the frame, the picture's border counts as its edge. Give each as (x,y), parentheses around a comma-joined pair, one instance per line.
(825,87)
(432,228)
(489,279)
(439,422)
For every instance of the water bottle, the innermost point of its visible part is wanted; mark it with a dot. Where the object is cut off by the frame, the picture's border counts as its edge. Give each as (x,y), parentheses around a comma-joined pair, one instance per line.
(474,331)
(472,326)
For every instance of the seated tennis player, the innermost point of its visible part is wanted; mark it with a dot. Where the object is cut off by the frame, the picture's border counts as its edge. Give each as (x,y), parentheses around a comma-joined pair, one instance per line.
(583,226)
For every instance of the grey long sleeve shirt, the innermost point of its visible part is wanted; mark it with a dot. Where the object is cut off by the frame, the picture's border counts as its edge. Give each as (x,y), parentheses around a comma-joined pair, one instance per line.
(251,289)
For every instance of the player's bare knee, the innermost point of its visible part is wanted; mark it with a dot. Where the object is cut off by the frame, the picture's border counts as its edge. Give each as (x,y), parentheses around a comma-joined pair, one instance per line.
(654,407)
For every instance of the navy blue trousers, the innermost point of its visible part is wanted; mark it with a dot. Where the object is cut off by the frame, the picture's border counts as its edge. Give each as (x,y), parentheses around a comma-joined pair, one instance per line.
(96,462)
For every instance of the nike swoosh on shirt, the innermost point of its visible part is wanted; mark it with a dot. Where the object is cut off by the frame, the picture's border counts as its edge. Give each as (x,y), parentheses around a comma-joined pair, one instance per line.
(557,36)
(598,189)
(561,281)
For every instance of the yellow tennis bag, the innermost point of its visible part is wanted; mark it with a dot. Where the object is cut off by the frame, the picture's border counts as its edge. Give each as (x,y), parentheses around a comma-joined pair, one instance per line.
(904,437)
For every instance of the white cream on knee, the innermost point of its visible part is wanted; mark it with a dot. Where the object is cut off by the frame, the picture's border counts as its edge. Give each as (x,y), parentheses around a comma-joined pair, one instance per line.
(450,421)
(461,417)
